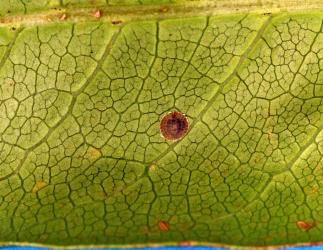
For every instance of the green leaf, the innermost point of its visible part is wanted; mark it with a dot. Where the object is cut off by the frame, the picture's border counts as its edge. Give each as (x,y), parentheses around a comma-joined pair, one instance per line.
(82,159)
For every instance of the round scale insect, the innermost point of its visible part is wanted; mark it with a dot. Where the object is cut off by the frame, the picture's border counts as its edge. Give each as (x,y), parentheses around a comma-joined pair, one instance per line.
(174,126)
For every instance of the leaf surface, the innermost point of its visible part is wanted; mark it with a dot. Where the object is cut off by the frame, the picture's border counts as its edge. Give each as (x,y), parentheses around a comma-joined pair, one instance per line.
(82,159)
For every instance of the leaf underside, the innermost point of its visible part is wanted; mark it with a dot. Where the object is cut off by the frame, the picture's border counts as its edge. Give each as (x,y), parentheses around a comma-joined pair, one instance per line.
(82,160)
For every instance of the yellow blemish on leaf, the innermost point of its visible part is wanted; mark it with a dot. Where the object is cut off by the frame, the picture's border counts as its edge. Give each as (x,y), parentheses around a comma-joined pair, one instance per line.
(270,133)
(38,185)
(152,168)
(93,153)
(312,191)
(318,169)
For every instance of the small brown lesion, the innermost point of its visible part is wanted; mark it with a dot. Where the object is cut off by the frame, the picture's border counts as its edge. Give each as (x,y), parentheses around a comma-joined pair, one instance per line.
(97,14)
(305,225)
(93,153)
(63,17)
(163,226)
(163,9)
(116,22)
(185,243)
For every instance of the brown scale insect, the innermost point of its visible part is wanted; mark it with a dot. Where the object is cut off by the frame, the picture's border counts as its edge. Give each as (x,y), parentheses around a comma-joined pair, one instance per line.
(174,126)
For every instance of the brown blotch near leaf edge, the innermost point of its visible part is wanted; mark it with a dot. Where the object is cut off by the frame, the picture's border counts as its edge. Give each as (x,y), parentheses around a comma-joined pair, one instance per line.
(163,226)
(305,225)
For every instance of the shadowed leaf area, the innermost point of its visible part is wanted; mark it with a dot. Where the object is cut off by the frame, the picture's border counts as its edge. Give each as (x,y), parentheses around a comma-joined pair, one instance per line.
(82,158)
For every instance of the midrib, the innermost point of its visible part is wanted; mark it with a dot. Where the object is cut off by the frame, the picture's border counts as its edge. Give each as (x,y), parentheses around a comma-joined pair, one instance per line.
(158,12)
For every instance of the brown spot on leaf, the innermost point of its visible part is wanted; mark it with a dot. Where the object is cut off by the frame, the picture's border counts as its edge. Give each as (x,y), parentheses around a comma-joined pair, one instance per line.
(185,243)
(163,226)
(115,22)
(163,9)
(38,185)
(63,17)
(305,225)
(174,126)
(97,14)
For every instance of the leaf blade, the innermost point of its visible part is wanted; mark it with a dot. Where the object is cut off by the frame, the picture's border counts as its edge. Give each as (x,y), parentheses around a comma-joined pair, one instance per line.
(82,158)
